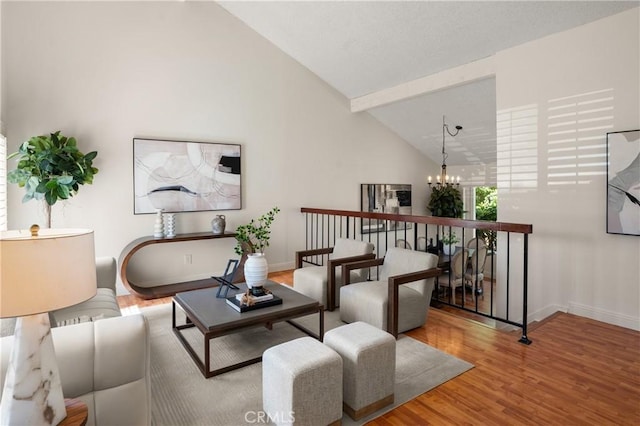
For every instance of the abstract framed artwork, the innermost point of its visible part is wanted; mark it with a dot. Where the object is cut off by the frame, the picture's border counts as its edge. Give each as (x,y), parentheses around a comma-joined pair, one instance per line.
(623,182)
(384,198)
(182,176)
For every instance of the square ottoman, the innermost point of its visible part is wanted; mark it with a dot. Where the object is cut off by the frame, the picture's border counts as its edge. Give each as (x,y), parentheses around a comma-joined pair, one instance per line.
(369,366)
(302,383)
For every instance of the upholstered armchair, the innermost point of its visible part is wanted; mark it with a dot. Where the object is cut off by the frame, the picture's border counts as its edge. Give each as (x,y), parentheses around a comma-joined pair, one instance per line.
(323,283)
(399,300)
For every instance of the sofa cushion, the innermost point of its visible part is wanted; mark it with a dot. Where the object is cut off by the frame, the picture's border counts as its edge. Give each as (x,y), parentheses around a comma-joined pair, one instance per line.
(367,301)
(103,305)
(106,364)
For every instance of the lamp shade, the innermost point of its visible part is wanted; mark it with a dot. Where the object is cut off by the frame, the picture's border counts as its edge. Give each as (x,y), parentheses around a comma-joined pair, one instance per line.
(42,273)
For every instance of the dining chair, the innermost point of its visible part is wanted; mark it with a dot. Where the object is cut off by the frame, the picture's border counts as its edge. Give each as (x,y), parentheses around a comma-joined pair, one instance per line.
(476,243)
(421,244)
(474,274)
(456,276)
(323,282)
(403,244)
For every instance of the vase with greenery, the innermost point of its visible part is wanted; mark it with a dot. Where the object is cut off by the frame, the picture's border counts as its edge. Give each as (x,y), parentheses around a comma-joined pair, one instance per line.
(446,201)
(252,239)
(256,234)
(51,168)
(449,240)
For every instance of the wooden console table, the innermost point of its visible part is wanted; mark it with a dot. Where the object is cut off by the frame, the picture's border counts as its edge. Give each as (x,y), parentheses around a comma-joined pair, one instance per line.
(169,289)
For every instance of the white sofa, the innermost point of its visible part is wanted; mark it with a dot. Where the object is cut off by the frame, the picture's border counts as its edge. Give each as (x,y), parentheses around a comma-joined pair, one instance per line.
(106,365)
(103,305)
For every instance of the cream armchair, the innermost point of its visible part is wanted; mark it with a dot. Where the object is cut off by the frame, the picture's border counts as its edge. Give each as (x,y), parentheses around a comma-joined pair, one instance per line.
(323,283)
(106,365)
(399,300)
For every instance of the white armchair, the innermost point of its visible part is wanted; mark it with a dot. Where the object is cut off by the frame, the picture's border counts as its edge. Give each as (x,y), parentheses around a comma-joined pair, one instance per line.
(323,283)
(399,300)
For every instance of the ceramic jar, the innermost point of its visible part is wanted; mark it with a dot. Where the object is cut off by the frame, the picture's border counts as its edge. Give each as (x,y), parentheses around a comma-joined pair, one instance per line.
(218,224)
(256,269)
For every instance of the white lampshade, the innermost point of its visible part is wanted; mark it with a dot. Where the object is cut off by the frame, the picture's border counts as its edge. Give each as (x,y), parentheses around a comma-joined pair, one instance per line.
(39,274)
(52,269)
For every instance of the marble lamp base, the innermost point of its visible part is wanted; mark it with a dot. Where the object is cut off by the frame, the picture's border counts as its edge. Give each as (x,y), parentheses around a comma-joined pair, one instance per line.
(32,392)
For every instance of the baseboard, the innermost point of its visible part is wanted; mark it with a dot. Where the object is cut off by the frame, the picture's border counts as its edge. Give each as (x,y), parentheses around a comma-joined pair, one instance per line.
(543,313)
(538,315)
(285,266)
(610,317)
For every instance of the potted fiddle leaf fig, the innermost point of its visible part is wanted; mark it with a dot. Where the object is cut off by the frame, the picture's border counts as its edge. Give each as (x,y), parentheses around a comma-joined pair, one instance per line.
(51,168)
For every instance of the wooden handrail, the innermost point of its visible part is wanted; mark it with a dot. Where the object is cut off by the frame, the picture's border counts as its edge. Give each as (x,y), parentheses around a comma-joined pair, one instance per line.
(429,220)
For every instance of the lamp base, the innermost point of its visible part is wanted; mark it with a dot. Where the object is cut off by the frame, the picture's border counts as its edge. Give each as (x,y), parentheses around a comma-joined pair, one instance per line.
(32,392)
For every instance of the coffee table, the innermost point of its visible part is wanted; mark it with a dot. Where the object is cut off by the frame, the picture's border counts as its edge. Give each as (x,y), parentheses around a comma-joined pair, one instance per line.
(214,318)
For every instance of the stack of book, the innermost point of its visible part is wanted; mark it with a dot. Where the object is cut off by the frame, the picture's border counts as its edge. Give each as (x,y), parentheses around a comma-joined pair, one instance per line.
(241,304)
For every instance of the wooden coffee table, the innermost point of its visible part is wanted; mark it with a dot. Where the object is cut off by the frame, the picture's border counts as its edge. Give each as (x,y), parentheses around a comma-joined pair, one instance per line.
(214,318)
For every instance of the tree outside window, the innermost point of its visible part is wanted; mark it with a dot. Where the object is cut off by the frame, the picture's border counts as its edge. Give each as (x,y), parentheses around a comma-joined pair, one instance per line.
(487,209)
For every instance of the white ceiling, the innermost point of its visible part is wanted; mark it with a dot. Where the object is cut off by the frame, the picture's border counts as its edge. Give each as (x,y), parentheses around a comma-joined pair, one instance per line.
(361,47)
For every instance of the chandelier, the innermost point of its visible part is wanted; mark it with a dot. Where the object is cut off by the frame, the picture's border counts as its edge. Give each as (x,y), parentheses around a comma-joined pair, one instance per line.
(443,178)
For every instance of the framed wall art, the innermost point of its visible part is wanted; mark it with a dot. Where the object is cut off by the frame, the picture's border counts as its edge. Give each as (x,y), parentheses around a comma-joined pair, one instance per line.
(384,198)
(180,176)
(623,182)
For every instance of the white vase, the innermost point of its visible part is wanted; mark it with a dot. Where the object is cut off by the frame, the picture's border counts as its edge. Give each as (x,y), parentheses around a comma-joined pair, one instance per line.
(169,225)
(158,226)
(448,249)
(256,269)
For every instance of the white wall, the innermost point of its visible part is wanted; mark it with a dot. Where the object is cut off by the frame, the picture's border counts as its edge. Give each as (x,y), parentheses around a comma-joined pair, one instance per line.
(1,73)
(557,97)
(109,72)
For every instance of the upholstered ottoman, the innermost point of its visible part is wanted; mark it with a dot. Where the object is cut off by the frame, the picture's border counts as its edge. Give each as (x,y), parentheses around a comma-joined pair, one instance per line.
(369,366)
(302,383)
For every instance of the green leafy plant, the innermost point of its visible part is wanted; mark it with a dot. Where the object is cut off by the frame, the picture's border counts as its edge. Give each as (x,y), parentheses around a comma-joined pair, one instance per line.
(256,233)
(450,239)
(446,201)
(487,209)
(51,168)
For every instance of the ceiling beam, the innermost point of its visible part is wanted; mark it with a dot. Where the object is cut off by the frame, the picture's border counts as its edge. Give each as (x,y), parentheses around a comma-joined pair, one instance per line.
(463,74)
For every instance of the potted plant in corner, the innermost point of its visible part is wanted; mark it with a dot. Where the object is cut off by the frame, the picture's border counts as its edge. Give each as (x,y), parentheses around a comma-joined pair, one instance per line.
(51,168)
(252,239)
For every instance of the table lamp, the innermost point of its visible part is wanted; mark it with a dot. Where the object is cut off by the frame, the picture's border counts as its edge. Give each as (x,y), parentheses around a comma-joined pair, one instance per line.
(40,271)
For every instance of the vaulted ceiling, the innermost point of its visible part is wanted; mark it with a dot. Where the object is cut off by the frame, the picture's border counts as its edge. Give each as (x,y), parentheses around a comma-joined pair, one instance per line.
(362,48)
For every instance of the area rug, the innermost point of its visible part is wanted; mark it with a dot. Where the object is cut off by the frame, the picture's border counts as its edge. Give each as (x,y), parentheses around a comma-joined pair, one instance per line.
(182,396)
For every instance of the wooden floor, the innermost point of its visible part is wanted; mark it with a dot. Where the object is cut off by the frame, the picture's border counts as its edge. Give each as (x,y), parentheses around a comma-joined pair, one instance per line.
(577,371)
